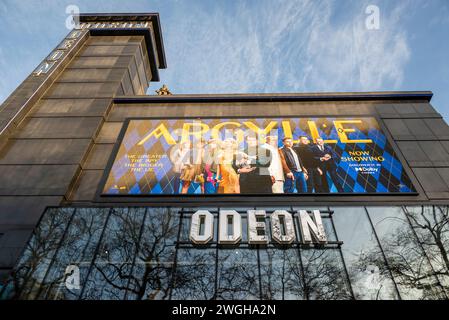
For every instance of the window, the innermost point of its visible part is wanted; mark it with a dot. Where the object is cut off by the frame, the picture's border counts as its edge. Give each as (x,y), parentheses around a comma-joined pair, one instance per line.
(145,253)
(370,281)
(406,259)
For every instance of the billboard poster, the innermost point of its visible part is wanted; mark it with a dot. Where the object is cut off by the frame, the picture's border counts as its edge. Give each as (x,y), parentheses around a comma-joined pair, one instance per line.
(222,156)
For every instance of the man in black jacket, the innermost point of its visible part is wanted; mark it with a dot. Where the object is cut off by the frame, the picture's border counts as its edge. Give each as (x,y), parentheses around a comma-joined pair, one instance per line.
(328,164)
(252,166)
(305,152)
(297,175)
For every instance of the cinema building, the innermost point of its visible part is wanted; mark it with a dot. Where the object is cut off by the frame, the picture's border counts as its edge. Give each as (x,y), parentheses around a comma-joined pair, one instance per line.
(109,193)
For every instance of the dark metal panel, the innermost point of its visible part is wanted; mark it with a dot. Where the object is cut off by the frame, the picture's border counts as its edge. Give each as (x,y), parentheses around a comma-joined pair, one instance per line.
(138,86)
(444,173)
(127,84)
(23,211)
(36,179)
(109,132)
(398,129)
(148,42)
(92,75)
(108,50)
(405,109)
(419,129)
(98,157)
(72,107)
(433,184)
(86,186)
(45,151)
(387,110)
(438,127)
(51,128)
(425,108)
(436,152)
(76,90)
(413,153)
(101,62)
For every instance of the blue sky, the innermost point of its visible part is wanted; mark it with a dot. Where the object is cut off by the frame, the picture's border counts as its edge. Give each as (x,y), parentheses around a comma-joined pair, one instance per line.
(245,46)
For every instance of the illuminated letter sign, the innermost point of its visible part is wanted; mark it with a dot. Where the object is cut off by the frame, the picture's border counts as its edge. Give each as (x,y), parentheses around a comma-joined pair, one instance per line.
(201,227)
(310,227)
(216,156)
(254,227)
(282,227)
(230,227)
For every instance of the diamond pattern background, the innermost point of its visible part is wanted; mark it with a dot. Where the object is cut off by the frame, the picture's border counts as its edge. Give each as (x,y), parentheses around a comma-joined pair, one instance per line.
(388,177)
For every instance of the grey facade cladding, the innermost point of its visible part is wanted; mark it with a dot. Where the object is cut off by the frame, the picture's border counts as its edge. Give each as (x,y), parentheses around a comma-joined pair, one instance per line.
(58,132)
(49,124)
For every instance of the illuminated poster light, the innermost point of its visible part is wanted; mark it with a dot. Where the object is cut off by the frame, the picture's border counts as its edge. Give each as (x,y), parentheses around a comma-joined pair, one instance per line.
(333,155)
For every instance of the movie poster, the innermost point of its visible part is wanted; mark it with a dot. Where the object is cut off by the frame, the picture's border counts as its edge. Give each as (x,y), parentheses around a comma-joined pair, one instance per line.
(255,156)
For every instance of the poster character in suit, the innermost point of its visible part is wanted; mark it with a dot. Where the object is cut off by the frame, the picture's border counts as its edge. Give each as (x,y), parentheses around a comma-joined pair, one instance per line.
(328,160)
(312,166)
(296,175)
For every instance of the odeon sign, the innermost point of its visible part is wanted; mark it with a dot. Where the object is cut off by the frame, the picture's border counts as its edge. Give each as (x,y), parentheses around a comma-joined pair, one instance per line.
(281,221)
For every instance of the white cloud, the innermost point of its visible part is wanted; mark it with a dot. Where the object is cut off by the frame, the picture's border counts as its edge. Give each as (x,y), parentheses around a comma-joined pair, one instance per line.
(295,46)
(351,56)
(240,46)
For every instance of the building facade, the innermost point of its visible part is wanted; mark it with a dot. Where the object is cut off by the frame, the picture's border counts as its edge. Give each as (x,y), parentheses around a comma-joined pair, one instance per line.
(79,222)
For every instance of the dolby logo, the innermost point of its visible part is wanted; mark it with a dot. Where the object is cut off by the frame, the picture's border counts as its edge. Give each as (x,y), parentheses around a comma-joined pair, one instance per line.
(281,223)
(367,170)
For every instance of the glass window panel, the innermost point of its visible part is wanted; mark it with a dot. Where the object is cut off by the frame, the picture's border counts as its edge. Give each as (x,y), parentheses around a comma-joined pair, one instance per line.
(77,249)
(38,255)
(195,274)
(152,272)
(431,224)
(281,275)
(328,227)
(370,281)
(410,268)
(238,275)
(185,228)
(324,275)
(113,264)
(244,216)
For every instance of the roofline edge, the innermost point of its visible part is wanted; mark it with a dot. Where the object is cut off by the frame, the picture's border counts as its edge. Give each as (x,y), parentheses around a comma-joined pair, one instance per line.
(206,98)
(153,17)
